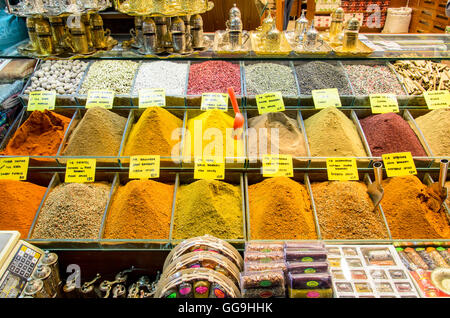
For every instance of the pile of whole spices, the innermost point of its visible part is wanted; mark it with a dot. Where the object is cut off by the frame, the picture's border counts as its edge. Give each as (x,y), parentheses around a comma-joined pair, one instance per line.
(345,211)
(280,131)
(262,78)
(62,76)
(73,211)
(40,135)
(161,74)
(422,76)
(435,127)
(99,133)
(19,204)
(280,209)
(141,209)
(322,75)
(217,122)
(152,134)
(208,207)
(413,211)
(115,75)
(214,77)
(373,79)
(390,133)
(332,134)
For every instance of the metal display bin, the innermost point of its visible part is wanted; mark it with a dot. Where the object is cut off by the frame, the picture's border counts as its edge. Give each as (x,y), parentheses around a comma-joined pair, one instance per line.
(255,159)
(57,179)
(290,101)
(362,162)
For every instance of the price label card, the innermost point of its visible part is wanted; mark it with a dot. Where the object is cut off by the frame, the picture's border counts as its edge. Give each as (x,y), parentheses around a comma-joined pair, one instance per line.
(214,101)
(324,98)
(399,164)
(270,102)
(41,100)
(342,169)
(277,166)
(209,168)
(100,98)
(152,97)
(144,167)
(80,170)
(383,103)
(437,99)
(14,168)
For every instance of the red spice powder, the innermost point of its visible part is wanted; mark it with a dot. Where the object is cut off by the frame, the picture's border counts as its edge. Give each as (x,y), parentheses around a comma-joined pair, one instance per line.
(389,133)
(214,77)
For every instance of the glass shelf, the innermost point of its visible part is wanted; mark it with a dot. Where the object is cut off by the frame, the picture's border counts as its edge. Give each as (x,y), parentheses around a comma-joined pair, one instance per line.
(386,46)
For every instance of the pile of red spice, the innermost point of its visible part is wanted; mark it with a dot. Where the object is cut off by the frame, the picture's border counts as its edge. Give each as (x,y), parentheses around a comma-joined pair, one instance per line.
(214,77)
(390,133)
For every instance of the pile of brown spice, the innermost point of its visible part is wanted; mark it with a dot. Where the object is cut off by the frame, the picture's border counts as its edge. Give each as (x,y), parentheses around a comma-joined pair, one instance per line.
(413,211)
(345,211)
(141,209)
(280,208)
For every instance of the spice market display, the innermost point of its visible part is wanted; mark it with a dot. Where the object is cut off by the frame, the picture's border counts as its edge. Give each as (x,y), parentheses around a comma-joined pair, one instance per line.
(174,160)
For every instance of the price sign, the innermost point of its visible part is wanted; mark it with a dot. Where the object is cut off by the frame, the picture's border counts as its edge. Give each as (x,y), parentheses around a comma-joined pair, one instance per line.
(209,168)
(324,98)
(14,168)
(100,98)
(80,170)
(342,169)
(270,102)
(437,99)
(41,100)
(277,166)
(383,103)
(152,97)
(214,101)
(144,167)
(399,164)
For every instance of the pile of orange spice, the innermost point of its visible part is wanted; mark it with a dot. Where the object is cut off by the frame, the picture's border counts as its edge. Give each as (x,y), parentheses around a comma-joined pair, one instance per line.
(40,135)
(19,204)
(141,209)
(413,211)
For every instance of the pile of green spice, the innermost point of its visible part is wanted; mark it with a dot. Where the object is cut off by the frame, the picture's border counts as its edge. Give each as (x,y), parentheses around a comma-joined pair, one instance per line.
(73,211)
(262,78)
(208,207)
(99,133)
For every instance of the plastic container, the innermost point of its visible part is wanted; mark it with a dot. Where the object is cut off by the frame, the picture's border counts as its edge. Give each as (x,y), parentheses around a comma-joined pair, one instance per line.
(258,267)
(264,247)
(263,279)
(197,283)
(205,243)
(210,260)
(262,257)
(309,281)
(301,255)
(307,268)
(310,293)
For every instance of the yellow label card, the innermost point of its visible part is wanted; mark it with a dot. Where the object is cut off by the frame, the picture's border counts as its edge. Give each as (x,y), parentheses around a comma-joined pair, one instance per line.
(270,102)
(80,170)
(214,101)
(41,100)
(399,164)
(209,168)
(383,103)
(144,167)
(324,98)
(342,169)
(152,97)
(14,168)
(277,166)
(437,99)
(100,98)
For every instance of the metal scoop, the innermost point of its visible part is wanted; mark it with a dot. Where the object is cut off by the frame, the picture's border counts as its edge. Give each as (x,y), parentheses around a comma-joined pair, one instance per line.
(375,190)
(439,187)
